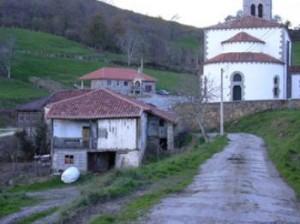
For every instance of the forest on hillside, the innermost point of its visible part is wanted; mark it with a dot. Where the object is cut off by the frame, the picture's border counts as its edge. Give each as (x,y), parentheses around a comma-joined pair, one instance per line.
(99,25)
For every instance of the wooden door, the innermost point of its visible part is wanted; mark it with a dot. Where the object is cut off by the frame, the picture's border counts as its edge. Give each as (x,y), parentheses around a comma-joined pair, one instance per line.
(86,134)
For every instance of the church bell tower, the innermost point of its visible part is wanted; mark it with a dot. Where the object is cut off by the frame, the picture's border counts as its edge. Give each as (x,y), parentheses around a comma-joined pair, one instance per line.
(259,8)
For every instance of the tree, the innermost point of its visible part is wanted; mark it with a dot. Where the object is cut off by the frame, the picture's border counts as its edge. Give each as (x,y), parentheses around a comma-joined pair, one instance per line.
(41,140)
(198,101)
(131,43)
(97,32)
(7,49)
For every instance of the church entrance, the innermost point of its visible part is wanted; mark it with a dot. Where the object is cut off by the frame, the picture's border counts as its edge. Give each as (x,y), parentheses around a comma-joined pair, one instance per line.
(237,93)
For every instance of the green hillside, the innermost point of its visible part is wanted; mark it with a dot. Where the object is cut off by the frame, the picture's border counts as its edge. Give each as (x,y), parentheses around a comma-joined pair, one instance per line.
(280,129)
(296,53)
(56,58)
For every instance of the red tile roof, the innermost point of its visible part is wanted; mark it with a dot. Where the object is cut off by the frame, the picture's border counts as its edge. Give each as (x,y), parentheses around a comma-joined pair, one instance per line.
(39,104)
(294,69)
(246,22)
(101,104)
(243,57)
(243,37)
(117,74)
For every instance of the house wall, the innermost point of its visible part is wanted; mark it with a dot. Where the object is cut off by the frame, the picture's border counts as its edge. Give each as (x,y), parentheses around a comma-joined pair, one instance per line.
(128,159)
(296,86)
(115,85)
(29,121)
(121,134)
(258,80)
(80,160)
(120,87)
(68,129)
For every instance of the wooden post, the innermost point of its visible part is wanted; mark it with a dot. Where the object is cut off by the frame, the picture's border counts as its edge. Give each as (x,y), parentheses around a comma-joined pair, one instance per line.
(222,106)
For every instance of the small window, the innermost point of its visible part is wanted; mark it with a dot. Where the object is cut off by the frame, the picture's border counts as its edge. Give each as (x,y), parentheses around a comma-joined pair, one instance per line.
(253,10)
(260,11)
(276,92)
(69,159)
(109,82)
(118,83)
(125,83)
(148,88)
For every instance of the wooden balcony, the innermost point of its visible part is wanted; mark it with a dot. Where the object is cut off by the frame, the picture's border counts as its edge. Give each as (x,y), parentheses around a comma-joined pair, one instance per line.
(74,143)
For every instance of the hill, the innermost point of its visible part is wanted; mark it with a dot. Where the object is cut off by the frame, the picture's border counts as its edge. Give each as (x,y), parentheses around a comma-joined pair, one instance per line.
(105,27)
(280,130)
(55,58)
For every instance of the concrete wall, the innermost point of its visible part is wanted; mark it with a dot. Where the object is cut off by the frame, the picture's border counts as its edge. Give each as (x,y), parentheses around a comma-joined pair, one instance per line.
(68,129)
(258,80)
(232,111)
(296,86)
(121,134)
(80,160)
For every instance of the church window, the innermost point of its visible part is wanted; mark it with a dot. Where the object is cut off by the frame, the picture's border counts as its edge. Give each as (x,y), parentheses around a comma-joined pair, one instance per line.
(260,11)
(237,87)
(276,89)
(253,10)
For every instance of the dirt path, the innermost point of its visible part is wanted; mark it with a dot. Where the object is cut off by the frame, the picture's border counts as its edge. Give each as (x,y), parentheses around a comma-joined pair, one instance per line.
(49,199)
(237,186)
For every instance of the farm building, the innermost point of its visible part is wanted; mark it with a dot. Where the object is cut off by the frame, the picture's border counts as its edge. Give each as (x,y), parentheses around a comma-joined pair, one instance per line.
(31,114)
(102,129)
(121,80)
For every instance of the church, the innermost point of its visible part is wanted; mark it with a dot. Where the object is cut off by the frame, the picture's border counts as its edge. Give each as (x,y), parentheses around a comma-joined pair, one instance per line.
(253,54)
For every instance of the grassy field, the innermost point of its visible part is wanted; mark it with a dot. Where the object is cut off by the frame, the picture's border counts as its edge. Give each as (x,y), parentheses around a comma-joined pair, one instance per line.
(296,53)
(280,129)
(39,54)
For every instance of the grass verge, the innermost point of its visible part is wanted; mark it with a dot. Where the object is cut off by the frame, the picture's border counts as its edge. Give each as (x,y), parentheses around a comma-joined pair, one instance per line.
(280,130)
(182,167)
(37,216)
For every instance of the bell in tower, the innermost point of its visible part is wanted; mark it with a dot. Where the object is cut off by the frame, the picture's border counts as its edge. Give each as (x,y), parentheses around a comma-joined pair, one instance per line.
(258,8)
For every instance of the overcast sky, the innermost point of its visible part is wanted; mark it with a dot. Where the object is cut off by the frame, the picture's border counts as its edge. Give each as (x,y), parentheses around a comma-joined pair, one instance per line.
(201,13)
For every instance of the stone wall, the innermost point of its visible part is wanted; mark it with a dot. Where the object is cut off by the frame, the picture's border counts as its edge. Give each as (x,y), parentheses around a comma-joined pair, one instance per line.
(232,111)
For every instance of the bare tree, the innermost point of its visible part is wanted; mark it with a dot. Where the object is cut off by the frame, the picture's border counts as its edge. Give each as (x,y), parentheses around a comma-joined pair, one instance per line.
(197,102)
(130,43)
(7,50)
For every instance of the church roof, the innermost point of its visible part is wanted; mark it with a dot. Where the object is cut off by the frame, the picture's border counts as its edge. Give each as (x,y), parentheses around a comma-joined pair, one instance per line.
(243,37)
(243,57)
(246,22)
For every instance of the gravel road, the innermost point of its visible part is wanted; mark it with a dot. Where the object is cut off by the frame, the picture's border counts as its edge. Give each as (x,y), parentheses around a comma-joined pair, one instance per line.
(237,186)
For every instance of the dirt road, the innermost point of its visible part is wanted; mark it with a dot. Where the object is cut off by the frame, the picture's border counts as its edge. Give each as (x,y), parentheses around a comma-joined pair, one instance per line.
(237,186)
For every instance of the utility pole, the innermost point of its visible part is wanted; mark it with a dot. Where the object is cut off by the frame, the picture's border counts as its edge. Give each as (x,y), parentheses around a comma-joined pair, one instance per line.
(222,106)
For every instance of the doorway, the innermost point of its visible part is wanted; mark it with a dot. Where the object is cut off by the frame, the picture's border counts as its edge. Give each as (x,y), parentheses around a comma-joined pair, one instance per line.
(101,161)
(86,134)
(237,93)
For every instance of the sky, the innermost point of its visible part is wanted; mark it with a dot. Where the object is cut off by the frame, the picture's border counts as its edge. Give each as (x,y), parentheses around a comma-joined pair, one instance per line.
(201,13)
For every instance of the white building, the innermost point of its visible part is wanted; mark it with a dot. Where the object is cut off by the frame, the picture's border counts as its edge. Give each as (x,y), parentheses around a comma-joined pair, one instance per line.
(254,53)
(102,129)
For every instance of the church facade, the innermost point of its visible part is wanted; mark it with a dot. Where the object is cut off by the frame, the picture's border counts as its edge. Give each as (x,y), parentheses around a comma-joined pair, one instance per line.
(254,54)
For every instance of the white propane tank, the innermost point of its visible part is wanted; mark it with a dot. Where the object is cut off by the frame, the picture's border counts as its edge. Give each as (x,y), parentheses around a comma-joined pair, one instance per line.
(70,175)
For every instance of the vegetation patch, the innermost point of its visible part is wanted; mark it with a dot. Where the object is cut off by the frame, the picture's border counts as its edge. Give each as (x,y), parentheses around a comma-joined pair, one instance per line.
(181,167)
(280,130)
(37,216)
(296,53)
(10,203)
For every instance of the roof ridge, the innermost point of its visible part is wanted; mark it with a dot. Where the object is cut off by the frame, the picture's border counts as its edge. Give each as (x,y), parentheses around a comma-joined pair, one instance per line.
(126,99)
(71,98)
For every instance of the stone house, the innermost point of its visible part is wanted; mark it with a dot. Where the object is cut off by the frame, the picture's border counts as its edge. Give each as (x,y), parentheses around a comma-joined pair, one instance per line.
(101,130)
(121,80)
(31,114)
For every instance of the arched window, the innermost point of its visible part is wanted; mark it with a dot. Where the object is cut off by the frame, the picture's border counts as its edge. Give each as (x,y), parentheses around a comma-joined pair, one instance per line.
(276,89)
(260,11)
(237,78)
(237,87)
(253,10)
